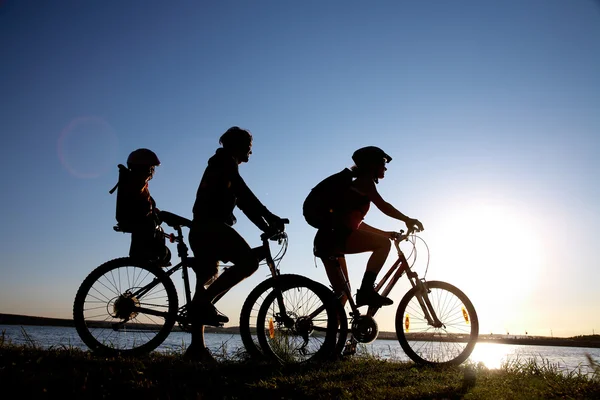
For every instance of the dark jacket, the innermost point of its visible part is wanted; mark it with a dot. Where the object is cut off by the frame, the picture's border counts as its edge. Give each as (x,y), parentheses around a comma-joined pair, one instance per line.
(221,189)
(136,209)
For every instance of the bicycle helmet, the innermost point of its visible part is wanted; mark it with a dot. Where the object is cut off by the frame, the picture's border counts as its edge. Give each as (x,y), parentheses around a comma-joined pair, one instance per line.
(235,137)
(370,155)
(142,158)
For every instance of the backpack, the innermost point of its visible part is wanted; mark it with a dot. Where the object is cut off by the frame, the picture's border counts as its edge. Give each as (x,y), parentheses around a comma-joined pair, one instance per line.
(323,205)
(148,243)
(120,214)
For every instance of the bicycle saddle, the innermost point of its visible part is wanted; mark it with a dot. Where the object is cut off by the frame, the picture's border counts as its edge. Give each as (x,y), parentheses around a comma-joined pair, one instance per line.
(174,220)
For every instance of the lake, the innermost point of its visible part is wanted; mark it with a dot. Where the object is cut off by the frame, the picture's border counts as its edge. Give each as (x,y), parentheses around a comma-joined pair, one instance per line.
(492,355)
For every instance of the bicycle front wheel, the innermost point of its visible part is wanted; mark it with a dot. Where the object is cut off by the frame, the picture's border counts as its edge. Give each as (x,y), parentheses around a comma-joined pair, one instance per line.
(305,329)
(125,308)
(449,342)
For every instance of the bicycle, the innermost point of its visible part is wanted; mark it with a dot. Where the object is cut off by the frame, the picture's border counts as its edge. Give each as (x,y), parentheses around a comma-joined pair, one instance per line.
(129,306)
(435,322)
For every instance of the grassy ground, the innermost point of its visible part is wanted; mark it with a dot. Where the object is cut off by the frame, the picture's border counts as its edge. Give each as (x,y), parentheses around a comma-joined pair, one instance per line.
(32,372)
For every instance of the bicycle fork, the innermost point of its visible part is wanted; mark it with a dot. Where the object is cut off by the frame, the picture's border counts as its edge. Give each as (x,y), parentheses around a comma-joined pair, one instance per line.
(422,295)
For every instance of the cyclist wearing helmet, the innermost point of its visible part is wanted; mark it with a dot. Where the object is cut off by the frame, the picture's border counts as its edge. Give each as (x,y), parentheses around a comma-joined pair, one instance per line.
(352,235)
(136,209)
(212,237)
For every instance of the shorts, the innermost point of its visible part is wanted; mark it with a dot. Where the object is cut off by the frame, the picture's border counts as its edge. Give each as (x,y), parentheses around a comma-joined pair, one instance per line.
(331,242)
(216,241)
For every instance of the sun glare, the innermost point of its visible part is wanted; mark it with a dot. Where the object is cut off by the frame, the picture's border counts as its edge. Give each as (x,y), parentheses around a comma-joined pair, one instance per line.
(496,260)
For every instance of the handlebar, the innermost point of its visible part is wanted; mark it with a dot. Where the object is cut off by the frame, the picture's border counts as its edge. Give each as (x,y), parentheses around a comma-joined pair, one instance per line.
(275,232)
(404,236)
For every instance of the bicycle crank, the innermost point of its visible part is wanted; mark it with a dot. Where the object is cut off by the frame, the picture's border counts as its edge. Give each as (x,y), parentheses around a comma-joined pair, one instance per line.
(364,329)
(184,320)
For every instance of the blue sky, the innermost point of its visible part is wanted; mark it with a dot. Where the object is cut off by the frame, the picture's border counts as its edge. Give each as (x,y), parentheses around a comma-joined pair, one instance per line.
(489,109)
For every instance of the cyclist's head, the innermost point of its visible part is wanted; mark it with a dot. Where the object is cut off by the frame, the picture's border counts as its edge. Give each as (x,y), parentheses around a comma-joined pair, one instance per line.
(143,162)
(238,141)
(371,160)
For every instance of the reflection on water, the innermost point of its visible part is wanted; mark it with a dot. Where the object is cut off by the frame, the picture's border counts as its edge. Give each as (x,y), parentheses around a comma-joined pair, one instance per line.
(564,358)
(492,355)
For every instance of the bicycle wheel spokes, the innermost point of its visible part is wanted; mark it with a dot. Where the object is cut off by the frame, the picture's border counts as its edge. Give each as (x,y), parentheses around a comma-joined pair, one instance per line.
(451,341)
(303,331)
(125,308)
(249,321)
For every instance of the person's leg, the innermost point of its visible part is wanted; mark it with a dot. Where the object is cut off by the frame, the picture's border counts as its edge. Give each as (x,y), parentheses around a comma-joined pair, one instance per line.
(337,272)
(145,244)
(360,242)
(212,242)
(328,245)
(203,239)
(237,251)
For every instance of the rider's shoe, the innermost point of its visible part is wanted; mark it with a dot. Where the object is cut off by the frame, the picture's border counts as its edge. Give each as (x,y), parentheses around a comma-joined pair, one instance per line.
(370,297)
(209,315)
(159,263)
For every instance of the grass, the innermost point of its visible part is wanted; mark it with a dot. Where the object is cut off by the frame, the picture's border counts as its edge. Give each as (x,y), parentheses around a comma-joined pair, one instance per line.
(32,372)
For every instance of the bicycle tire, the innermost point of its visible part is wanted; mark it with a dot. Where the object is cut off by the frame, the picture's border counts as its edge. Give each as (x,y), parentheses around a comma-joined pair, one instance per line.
(252,305)
(294,339)
(451,344)
(107,317)
(249,312)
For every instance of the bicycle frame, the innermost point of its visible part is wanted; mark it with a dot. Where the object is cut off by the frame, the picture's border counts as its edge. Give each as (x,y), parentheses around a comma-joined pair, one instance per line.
(183,265)
(392,276)
(262,252)
(401,266)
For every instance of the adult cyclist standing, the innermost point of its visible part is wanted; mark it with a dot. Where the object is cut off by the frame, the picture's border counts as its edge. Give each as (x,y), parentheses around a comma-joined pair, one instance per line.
(212,237)
(351,235)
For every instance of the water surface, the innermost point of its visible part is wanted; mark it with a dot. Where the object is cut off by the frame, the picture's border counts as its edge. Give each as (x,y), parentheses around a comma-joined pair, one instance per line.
(492,355)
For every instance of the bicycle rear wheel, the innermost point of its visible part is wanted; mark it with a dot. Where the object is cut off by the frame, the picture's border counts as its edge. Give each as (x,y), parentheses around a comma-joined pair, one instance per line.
(451,343)
(251,307)
(252,304)
(305,330)
(125,308)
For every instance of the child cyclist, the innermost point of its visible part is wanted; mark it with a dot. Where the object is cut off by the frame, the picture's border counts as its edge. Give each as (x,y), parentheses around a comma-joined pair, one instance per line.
(136,209)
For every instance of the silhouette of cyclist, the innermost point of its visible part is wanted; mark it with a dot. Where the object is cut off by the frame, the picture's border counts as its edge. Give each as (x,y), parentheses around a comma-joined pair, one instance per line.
(136,209)
(351,235)
(212,237)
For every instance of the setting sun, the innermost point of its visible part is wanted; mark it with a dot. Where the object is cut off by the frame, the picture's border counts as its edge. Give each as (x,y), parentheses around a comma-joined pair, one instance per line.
(498,262)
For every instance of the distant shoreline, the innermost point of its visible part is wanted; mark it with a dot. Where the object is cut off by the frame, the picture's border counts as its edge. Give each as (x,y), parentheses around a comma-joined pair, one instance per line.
(590,341)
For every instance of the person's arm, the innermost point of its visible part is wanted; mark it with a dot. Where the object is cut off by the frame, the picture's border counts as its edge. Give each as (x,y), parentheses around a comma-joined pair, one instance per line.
(371,229)
(251,205)
(391,211)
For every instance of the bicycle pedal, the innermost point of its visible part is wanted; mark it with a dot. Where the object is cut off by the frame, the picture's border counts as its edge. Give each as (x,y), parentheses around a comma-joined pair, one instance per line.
(349,351)
(349,348)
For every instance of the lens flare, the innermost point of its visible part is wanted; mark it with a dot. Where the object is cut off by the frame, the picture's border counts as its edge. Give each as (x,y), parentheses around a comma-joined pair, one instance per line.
(87,147)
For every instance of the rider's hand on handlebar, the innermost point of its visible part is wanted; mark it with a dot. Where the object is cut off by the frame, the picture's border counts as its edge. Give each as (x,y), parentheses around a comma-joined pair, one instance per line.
(274,221)
(395,235)
(414,225)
